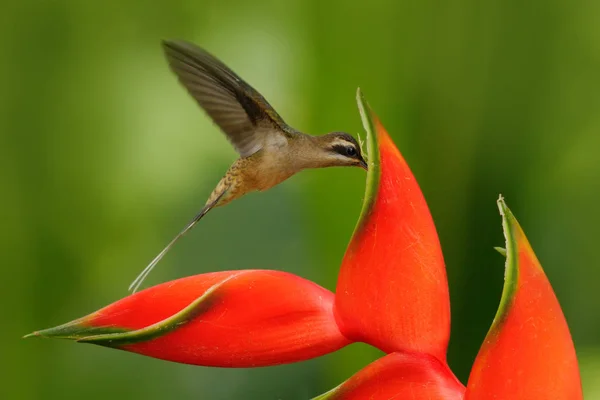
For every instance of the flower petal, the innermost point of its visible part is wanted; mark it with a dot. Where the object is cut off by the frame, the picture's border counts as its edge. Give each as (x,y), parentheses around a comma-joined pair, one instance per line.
(392,290)
(228,319)
(400,376)
(528,352)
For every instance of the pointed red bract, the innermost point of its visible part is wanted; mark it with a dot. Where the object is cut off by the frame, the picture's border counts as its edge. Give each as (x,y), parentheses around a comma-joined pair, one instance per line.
(227,319)
(400,376)
(528,353)
(392,290)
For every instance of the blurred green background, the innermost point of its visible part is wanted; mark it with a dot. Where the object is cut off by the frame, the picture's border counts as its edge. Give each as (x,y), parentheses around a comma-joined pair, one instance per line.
(104,157)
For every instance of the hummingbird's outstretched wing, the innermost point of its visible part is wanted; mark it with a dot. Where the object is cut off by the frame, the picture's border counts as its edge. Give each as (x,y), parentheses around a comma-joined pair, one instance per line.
(237,108)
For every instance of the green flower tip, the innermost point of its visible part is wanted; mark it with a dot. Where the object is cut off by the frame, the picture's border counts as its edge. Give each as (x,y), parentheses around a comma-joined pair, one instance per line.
(372,157)
(366,116)
(511,232)
(74,330)
(504,210)
(500,250)
(69,330)
(511,269)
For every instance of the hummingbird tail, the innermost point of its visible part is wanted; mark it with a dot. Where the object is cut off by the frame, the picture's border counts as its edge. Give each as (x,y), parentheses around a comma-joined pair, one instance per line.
(142,276)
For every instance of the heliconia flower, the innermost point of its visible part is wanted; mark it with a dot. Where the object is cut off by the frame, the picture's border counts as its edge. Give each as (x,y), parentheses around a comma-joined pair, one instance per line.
(392,293)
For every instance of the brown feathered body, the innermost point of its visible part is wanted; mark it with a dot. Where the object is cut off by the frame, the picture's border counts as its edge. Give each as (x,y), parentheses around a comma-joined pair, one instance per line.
(273,164)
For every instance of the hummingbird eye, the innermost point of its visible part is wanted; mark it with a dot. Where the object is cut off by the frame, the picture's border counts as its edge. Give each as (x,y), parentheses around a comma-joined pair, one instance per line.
(351,151)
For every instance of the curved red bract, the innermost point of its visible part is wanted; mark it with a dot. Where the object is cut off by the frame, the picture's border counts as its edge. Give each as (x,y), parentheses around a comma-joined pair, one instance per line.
(392,290)
(252,318)
(528,353)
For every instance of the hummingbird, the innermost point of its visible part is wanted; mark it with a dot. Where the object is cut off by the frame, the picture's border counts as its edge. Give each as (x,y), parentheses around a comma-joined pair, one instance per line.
(270,150)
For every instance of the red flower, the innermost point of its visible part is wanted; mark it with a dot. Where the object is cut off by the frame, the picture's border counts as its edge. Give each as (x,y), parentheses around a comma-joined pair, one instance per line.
(392,293)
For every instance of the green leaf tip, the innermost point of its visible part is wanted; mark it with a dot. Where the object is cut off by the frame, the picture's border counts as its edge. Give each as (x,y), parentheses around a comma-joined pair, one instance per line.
(511,268)
(372,153)
(74,330)
(360,100)
(500,250)
(366,116)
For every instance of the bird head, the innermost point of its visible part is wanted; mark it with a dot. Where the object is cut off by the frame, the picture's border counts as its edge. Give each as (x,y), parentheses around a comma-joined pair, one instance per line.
(341,149)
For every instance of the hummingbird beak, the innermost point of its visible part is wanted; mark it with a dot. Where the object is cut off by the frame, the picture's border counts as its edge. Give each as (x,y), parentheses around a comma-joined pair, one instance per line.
(363,164)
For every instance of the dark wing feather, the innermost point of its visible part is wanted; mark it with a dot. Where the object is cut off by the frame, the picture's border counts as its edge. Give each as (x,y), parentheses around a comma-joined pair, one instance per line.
(239,110)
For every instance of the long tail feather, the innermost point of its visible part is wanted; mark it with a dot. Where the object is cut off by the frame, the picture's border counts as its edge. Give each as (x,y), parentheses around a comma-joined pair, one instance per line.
(142,276)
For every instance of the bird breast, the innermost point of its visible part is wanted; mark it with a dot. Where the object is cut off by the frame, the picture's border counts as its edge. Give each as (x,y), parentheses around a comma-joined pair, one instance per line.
(275,167)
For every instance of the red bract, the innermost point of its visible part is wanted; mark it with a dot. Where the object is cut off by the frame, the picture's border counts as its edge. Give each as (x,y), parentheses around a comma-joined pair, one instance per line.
(528,349)
(392,293)
(228,319)
(392,290)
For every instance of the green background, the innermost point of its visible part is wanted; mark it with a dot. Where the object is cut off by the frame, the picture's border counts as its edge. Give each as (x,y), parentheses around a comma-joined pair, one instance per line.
(104,157)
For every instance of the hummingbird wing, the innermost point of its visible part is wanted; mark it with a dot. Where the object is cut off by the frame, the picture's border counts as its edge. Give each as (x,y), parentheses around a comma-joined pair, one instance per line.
(238,109)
